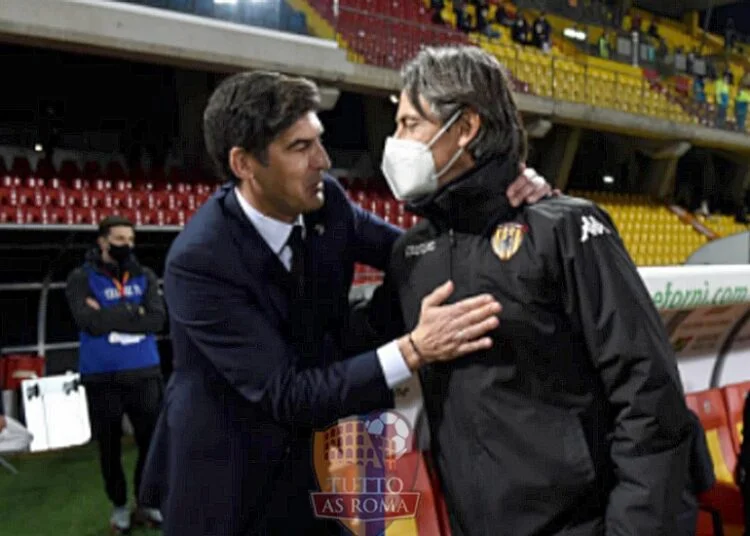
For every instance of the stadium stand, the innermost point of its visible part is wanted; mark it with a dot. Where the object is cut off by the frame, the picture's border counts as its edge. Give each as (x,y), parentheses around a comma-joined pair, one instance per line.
(653,234)
(385,34)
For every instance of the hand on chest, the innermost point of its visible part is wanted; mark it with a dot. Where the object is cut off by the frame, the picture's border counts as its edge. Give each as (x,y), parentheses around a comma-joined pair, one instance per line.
(503,264)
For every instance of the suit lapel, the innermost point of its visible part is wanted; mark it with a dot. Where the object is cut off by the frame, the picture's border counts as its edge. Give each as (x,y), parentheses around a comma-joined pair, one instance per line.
(269,276)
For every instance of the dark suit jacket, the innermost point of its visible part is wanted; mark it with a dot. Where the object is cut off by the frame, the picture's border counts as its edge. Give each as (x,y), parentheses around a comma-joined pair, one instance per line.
(255,372)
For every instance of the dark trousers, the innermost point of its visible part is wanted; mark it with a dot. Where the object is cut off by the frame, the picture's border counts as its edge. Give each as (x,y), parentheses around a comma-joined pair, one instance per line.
(140,399)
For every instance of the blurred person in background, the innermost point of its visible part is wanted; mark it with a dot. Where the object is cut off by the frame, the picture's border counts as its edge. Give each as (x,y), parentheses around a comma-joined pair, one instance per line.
(741,103)
(722,87)
(118,309)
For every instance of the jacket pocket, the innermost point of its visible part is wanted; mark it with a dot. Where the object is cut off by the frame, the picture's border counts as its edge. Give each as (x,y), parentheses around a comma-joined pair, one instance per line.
(537,450)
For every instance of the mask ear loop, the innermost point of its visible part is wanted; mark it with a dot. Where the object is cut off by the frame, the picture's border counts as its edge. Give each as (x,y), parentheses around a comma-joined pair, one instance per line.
(448,124)
(450,163)
(442,131)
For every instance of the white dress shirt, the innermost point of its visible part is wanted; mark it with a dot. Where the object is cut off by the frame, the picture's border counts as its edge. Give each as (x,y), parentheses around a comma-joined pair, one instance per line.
(276,234)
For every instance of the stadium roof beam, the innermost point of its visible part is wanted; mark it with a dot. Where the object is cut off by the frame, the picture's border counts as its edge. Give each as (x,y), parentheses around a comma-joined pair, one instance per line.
(560,151)
(661,171)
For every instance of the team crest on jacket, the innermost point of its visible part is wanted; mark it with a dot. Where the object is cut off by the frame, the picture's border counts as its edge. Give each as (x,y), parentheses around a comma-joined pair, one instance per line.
(507,239)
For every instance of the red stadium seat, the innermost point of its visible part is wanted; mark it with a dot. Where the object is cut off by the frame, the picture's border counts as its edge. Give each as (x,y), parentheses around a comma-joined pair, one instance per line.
(86,216)
(122,185)
(102,185)
(20,196)
(54,183)
(19,367)
(724,497)
(54,216)
(120,199)
(54,198)
(96,198)
(5,194)
(710,408)
(8,214)
(734,398)
(10,182)
(147,217)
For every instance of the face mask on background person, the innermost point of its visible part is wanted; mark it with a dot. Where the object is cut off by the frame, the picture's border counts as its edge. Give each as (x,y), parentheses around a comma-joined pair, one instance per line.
(120,253)
(409,167)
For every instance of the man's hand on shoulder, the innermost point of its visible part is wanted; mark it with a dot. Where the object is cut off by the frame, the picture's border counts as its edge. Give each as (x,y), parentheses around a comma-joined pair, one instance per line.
(529,187)
(3,423)
(445,332)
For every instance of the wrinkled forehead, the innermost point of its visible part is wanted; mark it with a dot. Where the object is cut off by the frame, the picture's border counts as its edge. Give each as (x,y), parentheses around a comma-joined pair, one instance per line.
(306,127)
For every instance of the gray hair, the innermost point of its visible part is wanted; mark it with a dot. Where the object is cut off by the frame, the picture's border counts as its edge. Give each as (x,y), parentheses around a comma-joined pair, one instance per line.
(457,77)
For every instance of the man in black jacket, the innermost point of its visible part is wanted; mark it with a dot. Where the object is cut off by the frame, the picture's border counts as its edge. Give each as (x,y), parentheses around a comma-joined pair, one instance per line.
(574,422)
(117,307)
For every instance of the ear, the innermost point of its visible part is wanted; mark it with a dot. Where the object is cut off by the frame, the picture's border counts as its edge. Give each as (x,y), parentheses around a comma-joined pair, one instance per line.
(469,124)
(241,163)
(102,242)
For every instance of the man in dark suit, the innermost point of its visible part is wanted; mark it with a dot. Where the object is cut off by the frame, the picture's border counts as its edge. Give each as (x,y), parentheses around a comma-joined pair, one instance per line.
(257,287)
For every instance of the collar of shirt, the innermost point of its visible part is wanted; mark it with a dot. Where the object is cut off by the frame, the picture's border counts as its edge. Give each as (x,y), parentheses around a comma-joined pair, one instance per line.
(274,232)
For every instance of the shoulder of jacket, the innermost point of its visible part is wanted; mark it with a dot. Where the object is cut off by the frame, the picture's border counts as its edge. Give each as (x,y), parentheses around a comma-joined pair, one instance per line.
(204,236)
(78,274)
(562,211)
(332,186)
(421,232)
(149,273)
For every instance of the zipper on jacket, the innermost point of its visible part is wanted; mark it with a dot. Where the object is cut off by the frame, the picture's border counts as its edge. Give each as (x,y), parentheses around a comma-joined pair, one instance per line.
(452,238)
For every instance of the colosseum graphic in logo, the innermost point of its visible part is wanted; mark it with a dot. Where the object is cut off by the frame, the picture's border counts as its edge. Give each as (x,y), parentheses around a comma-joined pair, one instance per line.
(365,476)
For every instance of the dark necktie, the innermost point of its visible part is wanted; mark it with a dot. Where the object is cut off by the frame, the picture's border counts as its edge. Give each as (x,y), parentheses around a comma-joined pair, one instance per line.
(297,244)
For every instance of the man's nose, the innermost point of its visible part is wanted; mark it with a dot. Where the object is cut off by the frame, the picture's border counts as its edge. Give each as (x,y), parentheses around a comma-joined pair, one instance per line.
(322,160)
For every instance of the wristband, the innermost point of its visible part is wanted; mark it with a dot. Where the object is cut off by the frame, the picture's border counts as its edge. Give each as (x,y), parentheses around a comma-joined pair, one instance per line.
(416,350)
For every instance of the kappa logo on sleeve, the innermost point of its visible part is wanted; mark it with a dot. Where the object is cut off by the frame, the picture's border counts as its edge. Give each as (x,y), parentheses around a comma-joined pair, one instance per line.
(591,227)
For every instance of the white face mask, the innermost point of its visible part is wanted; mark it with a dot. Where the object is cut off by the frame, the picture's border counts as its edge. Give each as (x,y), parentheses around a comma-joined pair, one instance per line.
(408,165)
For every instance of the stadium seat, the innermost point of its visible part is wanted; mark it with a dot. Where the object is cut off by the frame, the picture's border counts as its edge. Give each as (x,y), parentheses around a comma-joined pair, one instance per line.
(724,497)
(734,399)
(18,367)
(710,408)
